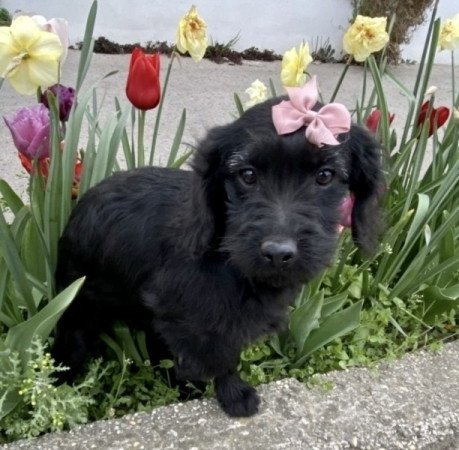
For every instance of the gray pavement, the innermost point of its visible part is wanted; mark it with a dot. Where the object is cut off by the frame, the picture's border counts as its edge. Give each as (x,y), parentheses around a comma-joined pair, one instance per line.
(409,404)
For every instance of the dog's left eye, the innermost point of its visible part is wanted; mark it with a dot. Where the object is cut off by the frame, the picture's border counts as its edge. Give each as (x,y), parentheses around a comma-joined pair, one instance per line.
(248,176)
(324,176)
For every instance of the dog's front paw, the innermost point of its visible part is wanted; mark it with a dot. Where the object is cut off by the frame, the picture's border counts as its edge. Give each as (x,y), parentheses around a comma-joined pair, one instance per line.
(236,397)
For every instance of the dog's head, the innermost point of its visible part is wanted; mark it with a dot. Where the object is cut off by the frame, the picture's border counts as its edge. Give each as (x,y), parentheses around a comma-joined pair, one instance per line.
(272,202)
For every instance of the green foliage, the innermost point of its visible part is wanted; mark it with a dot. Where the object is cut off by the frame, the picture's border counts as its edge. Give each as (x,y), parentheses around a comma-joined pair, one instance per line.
(5,17)
(43,406)
(108,389)
(358,312)
(124,387)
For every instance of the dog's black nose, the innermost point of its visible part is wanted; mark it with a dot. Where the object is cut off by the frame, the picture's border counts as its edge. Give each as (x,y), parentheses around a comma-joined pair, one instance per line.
(280,252)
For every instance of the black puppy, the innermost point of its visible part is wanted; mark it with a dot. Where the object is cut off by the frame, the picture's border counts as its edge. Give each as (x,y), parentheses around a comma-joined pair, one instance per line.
(208,260)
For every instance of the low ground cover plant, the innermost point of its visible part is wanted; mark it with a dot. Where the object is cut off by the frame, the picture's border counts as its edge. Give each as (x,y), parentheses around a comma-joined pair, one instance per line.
(356,313)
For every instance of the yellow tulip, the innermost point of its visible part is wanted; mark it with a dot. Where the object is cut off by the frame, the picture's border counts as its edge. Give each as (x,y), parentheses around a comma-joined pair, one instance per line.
(257,93)
(449,34)
(365,36)
(192,35)
(294,65)
(29,57)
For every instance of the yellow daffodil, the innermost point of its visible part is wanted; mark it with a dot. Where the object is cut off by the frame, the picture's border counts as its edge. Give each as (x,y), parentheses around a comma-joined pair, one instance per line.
(192,35)
(365,36)
(449,34)
(294,65)
(257,93)
(29,57)
(58,26)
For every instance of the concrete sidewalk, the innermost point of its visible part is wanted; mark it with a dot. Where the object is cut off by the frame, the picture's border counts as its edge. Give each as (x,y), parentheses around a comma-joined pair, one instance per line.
(409,404)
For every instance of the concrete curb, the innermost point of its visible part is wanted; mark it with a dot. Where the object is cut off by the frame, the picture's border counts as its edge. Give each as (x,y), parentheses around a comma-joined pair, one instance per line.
(412,403)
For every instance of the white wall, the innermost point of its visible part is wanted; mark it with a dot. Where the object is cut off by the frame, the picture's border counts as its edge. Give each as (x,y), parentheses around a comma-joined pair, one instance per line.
(266,24)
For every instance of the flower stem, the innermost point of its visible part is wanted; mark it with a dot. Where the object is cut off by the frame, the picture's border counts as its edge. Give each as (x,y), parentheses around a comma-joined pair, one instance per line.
(453,83)
(160,109)
(341,78)
(364,92)
(140,144)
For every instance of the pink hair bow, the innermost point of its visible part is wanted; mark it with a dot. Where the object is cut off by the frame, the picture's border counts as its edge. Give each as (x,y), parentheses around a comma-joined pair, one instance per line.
(322,126)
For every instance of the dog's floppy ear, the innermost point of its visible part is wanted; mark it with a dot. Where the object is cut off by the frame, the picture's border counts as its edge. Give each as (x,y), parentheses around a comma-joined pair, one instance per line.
(208,196)
(367,184)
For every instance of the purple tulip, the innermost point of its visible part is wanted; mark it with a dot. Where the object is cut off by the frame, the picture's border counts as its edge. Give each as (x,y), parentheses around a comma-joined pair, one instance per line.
(30,130)
(65,96)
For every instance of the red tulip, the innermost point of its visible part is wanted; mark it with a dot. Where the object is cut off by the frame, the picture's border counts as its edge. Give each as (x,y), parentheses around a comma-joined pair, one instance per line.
(142,88)
(43,167)
(438,116)
(374,118)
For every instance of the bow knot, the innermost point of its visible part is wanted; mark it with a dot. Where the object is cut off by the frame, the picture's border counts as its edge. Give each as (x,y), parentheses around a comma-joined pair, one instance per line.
(322,126)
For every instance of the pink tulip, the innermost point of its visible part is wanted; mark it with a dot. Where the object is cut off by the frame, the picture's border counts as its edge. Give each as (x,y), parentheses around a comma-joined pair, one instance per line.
(30,130)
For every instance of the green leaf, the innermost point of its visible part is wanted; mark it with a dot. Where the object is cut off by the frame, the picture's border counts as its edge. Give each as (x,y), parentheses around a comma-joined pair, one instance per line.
(127,150)
(333,303)
(32,252)
(112,344)
(104,158)
(166,364)
(19,338)
(124,337)
(88,45)
(177,139)
(419,217)
(13,200)
(332,328)
(12,258)
(8,401)
(447,245)
(439,301)
(239,107)
(182,159)
(305,318)
(272,88)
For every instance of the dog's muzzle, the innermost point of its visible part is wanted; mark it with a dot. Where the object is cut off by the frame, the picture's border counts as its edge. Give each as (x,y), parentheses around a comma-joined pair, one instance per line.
(279,252)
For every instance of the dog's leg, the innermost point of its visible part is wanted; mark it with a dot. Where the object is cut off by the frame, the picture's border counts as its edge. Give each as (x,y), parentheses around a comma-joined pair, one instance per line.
(70,349)
(77,332)
(236,397)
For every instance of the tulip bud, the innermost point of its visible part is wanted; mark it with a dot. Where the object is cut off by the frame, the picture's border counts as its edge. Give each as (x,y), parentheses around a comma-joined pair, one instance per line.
(65,96)
(431,90)
(456,116)
(436,117)
(372,122)
(143,88)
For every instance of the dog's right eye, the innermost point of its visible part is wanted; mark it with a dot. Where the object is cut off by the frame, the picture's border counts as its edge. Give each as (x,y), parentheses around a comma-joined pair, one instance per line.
(248,176)
(324,176)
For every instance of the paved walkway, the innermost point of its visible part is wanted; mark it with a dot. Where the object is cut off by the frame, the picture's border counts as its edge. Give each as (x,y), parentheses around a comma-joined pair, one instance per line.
(410,404)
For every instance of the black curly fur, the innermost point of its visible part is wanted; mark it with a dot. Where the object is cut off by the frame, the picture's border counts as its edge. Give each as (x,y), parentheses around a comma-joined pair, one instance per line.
(178,253)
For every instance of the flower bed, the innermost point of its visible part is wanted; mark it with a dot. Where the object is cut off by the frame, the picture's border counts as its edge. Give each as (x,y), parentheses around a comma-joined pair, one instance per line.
(356,313)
